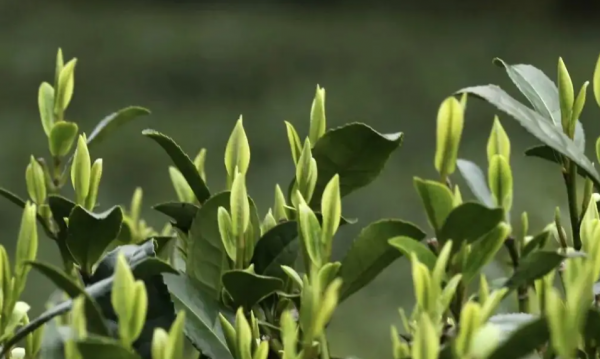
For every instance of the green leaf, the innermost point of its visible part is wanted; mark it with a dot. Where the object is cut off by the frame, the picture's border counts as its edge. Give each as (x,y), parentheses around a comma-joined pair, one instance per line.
(437,200)
(356,152)
(501,182)
(90,234)
(407,245)
(484,250)
(592,325)
(113,121)
(46,106)
(207,260)
(541,92)
(536,242)
(21,203)
(525,340)
(279,246)
(450,122)
(183,164)
(294,141)
(237,151)
(498,142)
(64,89)
(94,316)
(182,213)
(533,267)
(247,289)
(468,222)
(542,129)
(61,138)
(318,122)
(596,82)
(371,253)
(547,153)
(202,325)
(476,181)
(100,348)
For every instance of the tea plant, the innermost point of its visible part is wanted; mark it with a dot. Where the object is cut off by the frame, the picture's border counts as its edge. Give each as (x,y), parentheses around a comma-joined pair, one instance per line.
(242,285)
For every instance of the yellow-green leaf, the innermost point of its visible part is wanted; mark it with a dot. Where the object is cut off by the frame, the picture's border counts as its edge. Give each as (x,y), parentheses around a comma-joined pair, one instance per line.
(449,131)
(596,81)
(331,209)
(226,231)
(426,342)
(470,320)
(199,162)
(181,186)
(498,143)
(327,307)
(36,181)
(318,122)
(566,95)
(80,171)
(243,336)
(66,83)
(237,152)
(279,205)
(61,138)
(501,182)
(311,234)
(240,206)
(46,106)
(578,107)
(95,177)
(294,140)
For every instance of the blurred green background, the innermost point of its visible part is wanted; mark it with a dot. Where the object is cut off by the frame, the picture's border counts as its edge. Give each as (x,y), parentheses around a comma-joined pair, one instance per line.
(199,66)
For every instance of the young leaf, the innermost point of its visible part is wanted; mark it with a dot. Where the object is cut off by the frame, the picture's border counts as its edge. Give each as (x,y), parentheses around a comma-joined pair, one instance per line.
(484,250)
(565,95)
(199,162)
(498,143)
(90,234)
(371,253)
(279,206)
(35,180)
(331,208)
(501,182)
(268,222)
(578,106)
(437,200)
(61,138)
(294,140)
(468,222)
(356,152)
(64,90)
(46,106)
(226,231)
(311,235)
(240,206)
(318,122)
(596,82)
(426,342)
(536,125)
(470,320)
(183,164)
(328,304)
(104,348)
(524,338)
(476,181)
(206,260)
(237,153)
(247,289)
(112,122)
(95,177)
(27,246)
(182,188)
(450,121)
(407,246)
(202,311)
(81,171)
(277,247)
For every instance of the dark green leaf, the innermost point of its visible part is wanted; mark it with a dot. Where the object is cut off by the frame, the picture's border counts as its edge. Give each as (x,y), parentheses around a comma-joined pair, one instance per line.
(202,325)
(356,152)
(90,234)
(592,325)
(183,164)
(95,319)
(484,250)
(102,348)
(523,341)
(279,246)
(21,203)
(62,137)
(469,222)
(476,181)
(437,200)
(182,213)
(536,242)
(247,289)
(547,153)
(207,260)
(533,267)
(371,253)
(61,208)
(407,245)
(113,121)
(542,129)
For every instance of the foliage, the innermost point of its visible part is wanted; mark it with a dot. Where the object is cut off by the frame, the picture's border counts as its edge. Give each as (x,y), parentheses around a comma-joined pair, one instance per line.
(242,285)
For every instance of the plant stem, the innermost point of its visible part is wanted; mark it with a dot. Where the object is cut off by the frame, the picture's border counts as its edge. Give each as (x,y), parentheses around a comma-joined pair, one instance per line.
(523,290)
(324,347)
(570,177)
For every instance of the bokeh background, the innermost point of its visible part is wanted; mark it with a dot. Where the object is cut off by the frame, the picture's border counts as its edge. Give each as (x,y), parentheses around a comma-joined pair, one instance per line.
(198,65)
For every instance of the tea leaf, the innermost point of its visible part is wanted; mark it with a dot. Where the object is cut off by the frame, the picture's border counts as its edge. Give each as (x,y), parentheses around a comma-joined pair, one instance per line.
(484,250)
(542,129)
(523,341)
(475,179)
(183,164)
(61,138)
(407,245)
(64,88)
(468,222)
(237,152)
(536,242)
(202,312)
(596,82)
(437,200)
(46,106)
(533,267)
(498,143)
(371,253)
(356,152)
(113,121)
(247,289)
(501,182)
(279,246)
(294,140)
(207,259)
(90,234)
(182,213)
(450,121)
(318,122)
(100,348)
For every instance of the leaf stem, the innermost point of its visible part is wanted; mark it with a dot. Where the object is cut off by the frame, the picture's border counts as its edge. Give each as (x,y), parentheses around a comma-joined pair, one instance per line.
(324,347)
(570,177)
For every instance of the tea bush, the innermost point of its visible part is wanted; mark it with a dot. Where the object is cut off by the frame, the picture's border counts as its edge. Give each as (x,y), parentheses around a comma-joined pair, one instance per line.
(237,285)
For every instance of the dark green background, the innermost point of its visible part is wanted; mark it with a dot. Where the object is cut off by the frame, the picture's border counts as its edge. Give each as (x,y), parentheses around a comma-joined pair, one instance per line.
(199,67)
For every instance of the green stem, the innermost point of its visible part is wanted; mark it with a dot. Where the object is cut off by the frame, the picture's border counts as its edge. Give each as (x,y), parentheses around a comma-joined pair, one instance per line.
(571,182)
(523,290)
(324,347)
(240,253)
